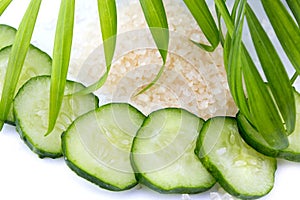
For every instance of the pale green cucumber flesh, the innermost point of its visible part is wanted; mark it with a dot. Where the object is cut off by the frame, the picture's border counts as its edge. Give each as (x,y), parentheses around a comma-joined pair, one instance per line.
(36,63)
(7,35)
(31,108)
(240,170)
(163,153)
(97,145)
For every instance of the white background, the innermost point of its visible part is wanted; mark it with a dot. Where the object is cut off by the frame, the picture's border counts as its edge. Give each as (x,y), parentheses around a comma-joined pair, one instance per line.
(24,175)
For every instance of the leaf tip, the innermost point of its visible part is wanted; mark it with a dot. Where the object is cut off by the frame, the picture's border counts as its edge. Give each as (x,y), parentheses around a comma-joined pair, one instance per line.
(1,124)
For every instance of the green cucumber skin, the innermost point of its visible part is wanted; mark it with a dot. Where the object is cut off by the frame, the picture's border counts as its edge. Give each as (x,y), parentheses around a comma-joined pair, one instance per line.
(245,133)
(11,120)
(181,190)
(92,179)
(289,155)
(84,174)
(143,180)
(246,129)
(40,153)
(222,181)
(213,169)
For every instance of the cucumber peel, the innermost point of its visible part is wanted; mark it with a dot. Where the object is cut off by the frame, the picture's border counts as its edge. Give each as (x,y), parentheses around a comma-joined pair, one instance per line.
(239,169)
(31,106)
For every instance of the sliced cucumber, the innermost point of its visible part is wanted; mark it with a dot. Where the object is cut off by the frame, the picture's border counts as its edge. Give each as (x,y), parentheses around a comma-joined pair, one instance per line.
(163,153)
(240,170)
(97,145)
(7,35)
(31,108)
(36,63)
(254,139)
(292,153)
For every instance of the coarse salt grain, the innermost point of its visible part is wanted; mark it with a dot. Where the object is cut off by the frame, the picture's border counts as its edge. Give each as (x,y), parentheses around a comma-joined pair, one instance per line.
(193,79)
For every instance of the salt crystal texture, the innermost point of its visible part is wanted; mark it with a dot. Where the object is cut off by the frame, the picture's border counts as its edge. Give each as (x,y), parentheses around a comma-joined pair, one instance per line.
(193,79)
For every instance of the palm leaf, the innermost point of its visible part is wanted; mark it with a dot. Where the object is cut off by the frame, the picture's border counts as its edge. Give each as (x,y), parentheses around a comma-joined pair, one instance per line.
(3,5)
(156,18)
(294,5)
(17,57)
(108,22)
(200,11)
(277,77)
(286,29)
(259,107)
(61,59)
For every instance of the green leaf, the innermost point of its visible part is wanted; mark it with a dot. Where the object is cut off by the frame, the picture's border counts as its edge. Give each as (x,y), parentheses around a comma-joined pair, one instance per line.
(161,70)
(259,108)
(294,77)
(227,41)
(156,19)
(274,70)
(294,5)
(221,7)
(220,28)
(61,59)
(286,29)
(17,57)
(206,22)
(264,114)
(3,5)
(231,61)
(108,22)
(235,9)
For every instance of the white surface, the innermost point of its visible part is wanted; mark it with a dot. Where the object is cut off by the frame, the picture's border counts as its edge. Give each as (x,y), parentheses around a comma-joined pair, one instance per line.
(24,175)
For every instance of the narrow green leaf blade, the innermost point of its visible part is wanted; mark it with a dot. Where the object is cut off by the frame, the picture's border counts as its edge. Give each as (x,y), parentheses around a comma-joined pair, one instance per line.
(233,65)
(161,70)
(222,9)
(61,59)
(208,48)
(17,57)
(3,5)
(108,22)
(156,19)
(232,60)
(286,29)
(235,9)
(206,22)
(220,26)
(260,108)
(294,5)
(274,70)
(264,114)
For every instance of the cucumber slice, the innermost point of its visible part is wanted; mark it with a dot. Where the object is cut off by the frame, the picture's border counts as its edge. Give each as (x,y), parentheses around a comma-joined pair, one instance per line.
(163,153)
(31,108)
(254,139)
(240,170)
(292,153)
(97,145)
(36,63)
(7,35)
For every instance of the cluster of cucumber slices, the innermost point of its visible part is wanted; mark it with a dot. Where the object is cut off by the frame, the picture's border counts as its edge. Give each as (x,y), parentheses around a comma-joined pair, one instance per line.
(116,146)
